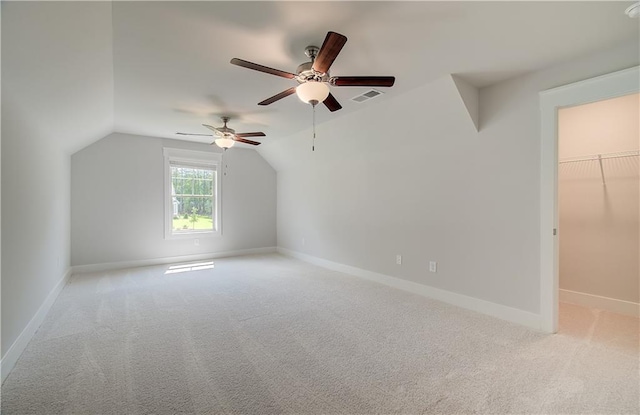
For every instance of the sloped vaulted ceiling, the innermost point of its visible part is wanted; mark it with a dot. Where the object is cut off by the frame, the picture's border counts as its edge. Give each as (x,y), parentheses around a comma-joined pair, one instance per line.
(172,70)
(154,68)
(57,72)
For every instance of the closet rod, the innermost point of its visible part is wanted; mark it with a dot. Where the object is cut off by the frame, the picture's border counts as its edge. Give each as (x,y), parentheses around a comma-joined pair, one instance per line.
(598,157)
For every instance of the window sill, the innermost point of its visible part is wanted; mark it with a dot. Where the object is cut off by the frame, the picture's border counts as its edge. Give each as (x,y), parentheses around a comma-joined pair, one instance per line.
(194,235)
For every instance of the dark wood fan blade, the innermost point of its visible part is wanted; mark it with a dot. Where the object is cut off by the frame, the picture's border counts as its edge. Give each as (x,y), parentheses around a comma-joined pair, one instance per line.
(257,134)
(207,135)
(329,50)
(242,140)
(363,80)
(332,103)
(261,68)
(279,96)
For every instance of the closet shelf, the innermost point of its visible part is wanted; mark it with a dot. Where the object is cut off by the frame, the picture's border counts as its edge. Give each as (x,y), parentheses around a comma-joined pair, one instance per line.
(599,158)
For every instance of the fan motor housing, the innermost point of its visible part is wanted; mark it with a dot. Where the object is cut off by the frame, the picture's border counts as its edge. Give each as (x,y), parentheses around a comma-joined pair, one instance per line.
(304,67)
(306,73)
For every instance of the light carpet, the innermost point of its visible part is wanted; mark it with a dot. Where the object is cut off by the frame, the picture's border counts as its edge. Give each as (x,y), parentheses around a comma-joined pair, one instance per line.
(270,334)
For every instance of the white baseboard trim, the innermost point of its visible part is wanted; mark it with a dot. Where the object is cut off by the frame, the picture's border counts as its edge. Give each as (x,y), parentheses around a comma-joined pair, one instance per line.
(603,303)
(109,266)
(503,312)
(15,351)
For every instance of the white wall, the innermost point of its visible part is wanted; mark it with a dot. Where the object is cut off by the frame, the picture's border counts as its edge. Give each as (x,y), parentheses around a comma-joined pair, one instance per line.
(117,202)
(1,353)
(599,249)
(42,122)
(410,176)
(609,126)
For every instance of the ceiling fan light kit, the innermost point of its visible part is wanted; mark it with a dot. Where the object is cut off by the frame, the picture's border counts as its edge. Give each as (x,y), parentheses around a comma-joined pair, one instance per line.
(314,77)
(312,92)
(227,137)
(314,86)
(224,142)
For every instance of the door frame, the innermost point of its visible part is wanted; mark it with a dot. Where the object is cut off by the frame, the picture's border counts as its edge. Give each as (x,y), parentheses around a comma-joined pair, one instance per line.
(603,87)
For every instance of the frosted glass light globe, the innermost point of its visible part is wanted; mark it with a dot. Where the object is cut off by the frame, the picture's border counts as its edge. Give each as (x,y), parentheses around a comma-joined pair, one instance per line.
(633,11)
(224,142)
(312,92)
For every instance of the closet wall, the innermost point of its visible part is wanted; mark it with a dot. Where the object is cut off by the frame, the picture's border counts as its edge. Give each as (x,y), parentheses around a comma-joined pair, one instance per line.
(599,200)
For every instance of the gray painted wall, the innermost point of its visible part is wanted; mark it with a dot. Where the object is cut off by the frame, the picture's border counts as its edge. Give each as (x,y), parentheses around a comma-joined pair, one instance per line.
(117,202)
(411,176)
(43,121)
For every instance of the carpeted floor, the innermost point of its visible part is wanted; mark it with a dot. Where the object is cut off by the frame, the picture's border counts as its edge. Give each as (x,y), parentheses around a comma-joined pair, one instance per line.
(269,334)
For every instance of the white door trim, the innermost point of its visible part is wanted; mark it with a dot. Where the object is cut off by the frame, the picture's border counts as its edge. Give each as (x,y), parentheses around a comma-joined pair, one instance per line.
(612,85)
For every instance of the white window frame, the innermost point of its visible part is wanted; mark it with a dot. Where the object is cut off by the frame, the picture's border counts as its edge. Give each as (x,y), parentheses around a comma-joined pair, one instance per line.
(196,159)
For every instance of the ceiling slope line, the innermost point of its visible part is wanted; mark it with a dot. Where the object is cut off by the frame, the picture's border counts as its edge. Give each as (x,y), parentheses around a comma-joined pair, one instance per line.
(469,95)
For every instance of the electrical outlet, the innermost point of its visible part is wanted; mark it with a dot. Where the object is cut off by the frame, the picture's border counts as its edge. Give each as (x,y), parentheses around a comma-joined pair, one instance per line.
(196,242)
(433,266)
(399,259)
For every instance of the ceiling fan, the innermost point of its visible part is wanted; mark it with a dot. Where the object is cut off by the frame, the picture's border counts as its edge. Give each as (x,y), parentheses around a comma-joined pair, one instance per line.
(313,77)
(227,137)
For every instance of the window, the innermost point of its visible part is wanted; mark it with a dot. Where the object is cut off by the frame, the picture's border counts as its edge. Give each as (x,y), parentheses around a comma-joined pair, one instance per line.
(192,193)
(192,190)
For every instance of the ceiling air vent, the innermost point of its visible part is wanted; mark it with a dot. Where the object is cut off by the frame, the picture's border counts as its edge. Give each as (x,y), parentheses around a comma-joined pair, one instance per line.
(366,96)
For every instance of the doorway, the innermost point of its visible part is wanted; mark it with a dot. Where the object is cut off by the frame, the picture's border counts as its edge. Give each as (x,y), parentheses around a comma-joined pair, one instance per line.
(598,207)
(605,87)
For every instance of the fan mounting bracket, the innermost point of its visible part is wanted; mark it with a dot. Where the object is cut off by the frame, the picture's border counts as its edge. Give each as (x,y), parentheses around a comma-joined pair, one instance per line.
(311,52)
(226,131)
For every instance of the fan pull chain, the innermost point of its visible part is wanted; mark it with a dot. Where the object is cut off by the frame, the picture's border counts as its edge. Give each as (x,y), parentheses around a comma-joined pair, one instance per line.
(313,141)
(224,165)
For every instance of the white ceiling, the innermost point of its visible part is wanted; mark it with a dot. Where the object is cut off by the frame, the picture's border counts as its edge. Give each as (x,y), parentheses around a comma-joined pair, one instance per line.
(172,70)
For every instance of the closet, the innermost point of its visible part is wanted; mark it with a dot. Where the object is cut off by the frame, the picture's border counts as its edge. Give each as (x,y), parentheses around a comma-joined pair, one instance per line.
(598,203)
